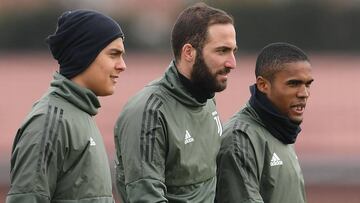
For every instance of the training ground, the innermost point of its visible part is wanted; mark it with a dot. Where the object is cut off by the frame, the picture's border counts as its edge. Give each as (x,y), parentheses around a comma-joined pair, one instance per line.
(328,146)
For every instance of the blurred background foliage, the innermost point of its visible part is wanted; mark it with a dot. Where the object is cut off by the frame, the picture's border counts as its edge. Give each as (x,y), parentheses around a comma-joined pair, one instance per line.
(316,25)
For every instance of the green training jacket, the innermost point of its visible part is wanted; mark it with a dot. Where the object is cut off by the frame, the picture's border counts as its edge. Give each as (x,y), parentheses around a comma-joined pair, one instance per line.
(58,154)
(166,145)
(254,166)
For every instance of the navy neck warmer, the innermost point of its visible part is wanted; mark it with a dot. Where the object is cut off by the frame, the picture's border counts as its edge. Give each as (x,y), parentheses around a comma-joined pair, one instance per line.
(79,38)
(279,126)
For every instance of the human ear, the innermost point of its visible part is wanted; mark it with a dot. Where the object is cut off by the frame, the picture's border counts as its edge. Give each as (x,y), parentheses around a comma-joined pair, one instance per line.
(262,84)
(189,53)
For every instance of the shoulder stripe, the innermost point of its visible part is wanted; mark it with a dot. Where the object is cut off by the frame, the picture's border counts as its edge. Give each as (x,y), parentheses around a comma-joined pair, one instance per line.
(148,126)
(242,145)
(51,128)
(50,133)
(155,116)
(56,134)
(43,139)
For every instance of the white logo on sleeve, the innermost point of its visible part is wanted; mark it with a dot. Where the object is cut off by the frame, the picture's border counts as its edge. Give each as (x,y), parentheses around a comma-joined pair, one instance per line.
(218,123)
(275,160)
(188,137)
(92,142)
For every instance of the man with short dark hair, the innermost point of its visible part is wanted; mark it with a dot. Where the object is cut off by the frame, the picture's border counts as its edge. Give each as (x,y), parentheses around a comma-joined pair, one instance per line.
(168,135)
(58,153)
(257,161)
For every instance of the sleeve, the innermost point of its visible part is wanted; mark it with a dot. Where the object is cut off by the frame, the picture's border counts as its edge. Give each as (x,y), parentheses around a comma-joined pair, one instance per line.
(237,173)
(141,147)
(34,170)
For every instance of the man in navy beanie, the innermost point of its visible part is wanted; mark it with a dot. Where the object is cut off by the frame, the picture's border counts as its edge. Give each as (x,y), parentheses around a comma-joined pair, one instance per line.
(58,153)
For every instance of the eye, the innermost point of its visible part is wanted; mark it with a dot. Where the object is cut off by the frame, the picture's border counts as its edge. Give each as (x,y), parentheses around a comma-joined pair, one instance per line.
(114,54)
(294,83)
(235,50)
(308,84)
(221,51)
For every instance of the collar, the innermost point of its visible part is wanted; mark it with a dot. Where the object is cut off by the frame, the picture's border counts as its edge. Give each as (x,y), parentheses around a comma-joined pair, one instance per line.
(80,97)
(278,125)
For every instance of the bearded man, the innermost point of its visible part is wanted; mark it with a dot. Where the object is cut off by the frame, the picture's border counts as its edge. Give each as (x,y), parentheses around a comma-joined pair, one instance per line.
(168,135)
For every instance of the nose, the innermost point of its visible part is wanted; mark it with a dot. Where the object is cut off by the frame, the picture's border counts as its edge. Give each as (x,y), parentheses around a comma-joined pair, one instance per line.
(231,61)
(120,65)
(304,91)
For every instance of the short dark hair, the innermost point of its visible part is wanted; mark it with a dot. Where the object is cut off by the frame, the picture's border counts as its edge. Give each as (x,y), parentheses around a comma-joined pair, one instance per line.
(192,25)
(273,56)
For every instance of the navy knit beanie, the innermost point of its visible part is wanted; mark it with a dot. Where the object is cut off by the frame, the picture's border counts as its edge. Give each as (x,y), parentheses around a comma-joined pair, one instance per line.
(79,38)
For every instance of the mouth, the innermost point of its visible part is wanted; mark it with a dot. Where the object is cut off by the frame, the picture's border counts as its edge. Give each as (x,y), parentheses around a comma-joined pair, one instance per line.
(224,72)
(298,108)
(114,78)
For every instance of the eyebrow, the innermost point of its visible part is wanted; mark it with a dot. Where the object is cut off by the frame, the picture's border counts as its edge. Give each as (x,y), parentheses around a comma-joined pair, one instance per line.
(226,48)
(116,50)
(300,81)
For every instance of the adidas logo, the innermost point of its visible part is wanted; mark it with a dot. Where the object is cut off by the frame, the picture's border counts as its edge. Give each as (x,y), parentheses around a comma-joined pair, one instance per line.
(275,160)
(92,142)
(188,137)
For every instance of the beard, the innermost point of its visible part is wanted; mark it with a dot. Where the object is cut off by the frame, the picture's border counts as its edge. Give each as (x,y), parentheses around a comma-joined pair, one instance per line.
(202,78)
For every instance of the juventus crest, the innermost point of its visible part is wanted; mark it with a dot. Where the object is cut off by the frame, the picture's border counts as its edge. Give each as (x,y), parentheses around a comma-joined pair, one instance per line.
(218,123)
